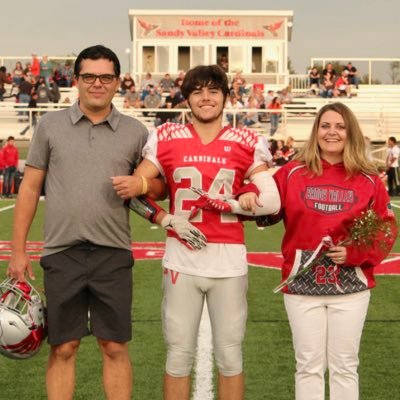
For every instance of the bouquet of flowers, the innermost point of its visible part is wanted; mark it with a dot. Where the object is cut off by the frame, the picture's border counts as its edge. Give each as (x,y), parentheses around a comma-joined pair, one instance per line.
(366,230)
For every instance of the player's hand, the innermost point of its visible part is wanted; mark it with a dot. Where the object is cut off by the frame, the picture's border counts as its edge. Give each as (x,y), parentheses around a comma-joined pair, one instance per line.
(127,187)
(249,202)
(188,234)
(19,266)
(205,202)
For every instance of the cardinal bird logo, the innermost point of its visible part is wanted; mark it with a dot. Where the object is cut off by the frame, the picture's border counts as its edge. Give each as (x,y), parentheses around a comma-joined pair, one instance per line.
(147,27)
(273,27)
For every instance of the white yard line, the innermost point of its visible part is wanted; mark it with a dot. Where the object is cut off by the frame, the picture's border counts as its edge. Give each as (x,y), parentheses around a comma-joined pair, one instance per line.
(7,208)
(394,205)
(203,385)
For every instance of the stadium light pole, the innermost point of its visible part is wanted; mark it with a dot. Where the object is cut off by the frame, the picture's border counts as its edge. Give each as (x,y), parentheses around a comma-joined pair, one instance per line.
(128,52)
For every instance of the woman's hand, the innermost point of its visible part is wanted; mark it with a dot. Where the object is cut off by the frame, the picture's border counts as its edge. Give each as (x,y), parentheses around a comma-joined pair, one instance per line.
(249,202)
(337,254)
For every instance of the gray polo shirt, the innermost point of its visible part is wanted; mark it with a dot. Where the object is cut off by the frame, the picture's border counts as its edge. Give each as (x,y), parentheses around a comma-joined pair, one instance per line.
(80,158)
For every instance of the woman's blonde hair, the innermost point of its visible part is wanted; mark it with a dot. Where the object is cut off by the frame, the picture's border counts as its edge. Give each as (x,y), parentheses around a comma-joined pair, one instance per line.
(354,156)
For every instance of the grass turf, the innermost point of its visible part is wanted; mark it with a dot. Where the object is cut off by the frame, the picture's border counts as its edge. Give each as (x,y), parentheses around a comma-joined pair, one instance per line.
(268,354)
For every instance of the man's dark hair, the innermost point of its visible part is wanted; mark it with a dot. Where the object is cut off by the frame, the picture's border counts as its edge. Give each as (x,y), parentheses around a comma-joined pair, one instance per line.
(3,69)
(212,76)
(393,139)
(10,138)
(96,53)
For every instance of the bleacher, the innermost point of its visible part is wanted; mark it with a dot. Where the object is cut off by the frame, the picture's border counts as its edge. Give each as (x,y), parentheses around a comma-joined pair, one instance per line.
(377,108)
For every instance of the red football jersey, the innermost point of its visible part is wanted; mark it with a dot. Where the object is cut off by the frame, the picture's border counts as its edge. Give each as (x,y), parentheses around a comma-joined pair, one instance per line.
(218,167)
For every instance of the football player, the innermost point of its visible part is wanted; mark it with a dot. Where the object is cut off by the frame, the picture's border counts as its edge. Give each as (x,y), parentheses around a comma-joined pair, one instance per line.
(217,160)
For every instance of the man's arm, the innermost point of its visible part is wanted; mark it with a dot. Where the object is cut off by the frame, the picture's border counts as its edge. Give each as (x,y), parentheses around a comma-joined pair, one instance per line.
(25,209)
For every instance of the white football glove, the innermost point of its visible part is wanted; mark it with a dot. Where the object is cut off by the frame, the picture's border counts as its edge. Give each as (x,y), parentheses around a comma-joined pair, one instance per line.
(188,234)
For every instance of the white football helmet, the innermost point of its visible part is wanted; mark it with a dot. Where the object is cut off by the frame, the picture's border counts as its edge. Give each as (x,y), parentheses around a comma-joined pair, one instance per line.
(22,319)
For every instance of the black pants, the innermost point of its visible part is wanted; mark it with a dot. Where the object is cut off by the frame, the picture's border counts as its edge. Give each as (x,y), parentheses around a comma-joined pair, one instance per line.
(393,181)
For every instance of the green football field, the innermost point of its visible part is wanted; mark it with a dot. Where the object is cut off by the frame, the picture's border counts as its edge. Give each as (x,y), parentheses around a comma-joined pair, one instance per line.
(268,354)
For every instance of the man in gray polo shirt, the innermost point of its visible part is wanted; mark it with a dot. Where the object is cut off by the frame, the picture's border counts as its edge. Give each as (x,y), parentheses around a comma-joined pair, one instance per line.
(87,258)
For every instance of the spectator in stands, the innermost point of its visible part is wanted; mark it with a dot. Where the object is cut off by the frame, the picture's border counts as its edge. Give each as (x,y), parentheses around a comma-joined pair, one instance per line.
(32,104)
(329,68)
(126,83)
(251,117)
(258,93)
(42,91)
(166,83)
(55,95)
(148,81)
(273,146)
(152,99)
(285,96)
(46,70)
(132,98)
(179,80)
(4,79)
(290,149)
(268,98)
(279,157)
(234,119)
(392,167)
(342,85)
(28,68)
(275,105)
(223,62)
(328,85)
(314,78)
(173,100)
(11,157)
(67,74)
(238,78)
(235,91)
(35,66)
(259,96)
(352,74)
(25,93)
(17,73)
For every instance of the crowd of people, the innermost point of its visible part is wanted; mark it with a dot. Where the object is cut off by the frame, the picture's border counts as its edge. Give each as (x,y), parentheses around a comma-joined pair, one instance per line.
(33,85)
(331,83)
(167,94)
(39,82)
(212,173)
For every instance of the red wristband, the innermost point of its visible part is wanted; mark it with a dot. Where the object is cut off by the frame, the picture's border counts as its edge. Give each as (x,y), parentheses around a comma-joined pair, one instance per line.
(250,187)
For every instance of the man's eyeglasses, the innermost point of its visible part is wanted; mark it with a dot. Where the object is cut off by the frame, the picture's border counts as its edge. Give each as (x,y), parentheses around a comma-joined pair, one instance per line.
(105,79)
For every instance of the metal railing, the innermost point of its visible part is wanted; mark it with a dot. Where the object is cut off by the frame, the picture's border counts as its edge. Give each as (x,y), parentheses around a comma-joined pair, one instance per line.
(378,121)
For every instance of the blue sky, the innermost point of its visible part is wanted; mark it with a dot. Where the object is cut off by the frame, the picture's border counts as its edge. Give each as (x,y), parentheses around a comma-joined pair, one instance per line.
(352,28)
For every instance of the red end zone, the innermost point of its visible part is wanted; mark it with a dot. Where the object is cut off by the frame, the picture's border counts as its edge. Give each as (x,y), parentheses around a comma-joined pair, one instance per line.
(155,251)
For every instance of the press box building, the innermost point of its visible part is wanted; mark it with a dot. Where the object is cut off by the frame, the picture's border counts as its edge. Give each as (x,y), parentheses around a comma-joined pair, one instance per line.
(252,42)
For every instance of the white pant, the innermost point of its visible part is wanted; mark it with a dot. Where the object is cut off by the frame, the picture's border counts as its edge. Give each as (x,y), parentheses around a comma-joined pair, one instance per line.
(181,313)
(326,333)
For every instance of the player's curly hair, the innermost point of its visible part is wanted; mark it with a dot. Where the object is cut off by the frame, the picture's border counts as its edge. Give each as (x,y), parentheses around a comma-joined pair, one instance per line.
(355,159)
(211,76)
